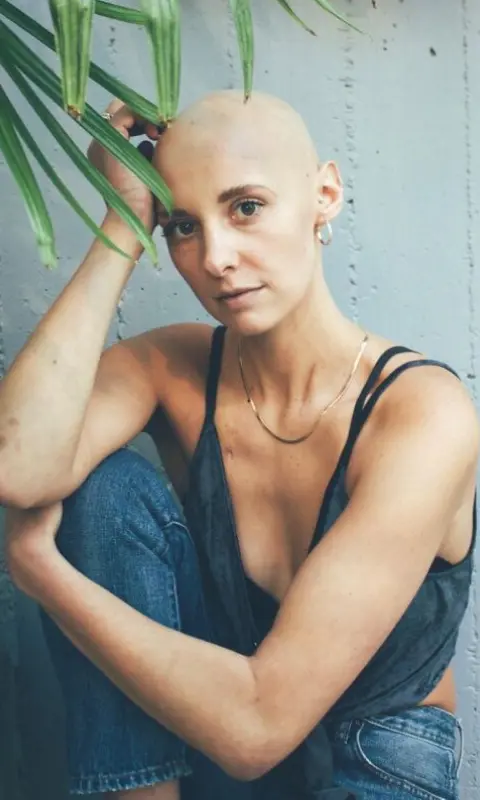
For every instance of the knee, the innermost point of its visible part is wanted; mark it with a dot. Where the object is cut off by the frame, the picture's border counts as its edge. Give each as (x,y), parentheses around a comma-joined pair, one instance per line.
(123,492)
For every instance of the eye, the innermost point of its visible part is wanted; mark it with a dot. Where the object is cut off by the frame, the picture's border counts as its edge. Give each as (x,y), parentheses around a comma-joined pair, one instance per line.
(247,208)
(179,229)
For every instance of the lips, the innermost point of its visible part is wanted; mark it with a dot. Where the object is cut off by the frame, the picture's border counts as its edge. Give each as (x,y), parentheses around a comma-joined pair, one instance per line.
(229,295)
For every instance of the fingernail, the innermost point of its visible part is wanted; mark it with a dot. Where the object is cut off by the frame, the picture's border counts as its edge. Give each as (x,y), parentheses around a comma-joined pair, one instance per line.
(137,129)
(146,149)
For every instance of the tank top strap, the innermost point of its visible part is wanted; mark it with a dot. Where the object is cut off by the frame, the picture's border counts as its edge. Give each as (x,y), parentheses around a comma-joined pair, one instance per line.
(369,396)
(377,370)
(383,386)
(214,368)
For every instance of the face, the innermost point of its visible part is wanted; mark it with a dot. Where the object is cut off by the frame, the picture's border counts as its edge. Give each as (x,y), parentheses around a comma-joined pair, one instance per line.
(242,233)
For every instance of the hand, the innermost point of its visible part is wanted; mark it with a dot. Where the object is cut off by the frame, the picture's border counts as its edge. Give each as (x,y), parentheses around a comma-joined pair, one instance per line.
(130,188)
(30,544)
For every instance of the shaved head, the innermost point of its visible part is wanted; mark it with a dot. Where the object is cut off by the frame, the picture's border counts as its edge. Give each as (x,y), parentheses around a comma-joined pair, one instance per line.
(263,129)
(249,195)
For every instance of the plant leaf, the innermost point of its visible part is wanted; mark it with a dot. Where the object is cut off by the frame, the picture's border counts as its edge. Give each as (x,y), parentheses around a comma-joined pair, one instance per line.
(27,137)
(75,154)
(85,25)
(139,105)
(163,28)
(22,172)
(120,13)
(113,141)
(330,10)
(60,12)
(242,17)
(72,22)
(288,8)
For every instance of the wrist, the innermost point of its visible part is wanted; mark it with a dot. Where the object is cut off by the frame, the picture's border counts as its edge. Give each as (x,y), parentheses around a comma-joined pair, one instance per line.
(144,212)
(32,569)
(122,235)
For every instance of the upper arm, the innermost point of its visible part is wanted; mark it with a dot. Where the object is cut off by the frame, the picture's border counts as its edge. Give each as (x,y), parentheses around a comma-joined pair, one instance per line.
(357,583)
(124,397)
(135,377)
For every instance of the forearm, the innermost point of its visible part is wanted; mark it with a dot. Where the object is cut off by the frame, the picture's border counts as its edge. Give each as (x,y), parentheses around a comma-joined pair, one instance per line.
(44,396)
(205,694)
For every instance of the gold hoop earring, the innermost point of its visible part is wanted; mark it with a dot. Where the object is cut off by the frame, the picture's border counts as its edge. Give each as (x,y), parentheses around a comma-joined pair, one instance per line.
(318,234)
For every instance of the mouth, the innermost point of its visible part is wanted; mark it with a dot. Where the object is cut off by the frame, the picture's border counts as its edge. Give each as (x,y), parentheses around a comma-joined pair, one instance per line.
(233,293)
(236,300)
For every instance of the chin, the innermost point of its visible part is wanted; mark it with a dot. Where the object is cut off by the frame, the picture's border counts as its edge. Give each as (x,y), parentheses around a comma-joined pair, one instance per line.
(251,316)
(249,323)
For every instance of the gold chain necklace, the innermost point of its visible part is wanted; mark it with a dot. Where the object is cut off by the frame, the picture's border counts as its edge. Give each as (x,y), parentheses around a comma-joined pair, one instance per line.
(324,410)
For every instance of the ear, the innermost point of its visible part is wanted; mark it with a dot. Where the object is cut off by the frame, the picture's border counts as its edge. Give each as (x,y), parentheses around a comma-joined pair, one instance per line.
(329,192)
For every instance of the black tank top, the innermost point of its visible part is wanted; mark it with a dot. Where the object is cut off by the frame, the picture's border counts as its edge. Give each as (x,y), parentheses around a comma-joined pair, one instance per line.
(415,655)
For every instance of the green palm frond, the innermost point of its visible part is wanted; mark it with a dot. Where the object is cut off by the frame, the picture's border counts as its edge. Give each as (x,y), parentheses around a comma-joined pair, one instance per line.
(72,25)
(242,17)
(51,173)
(139,105)
(80,160)
(326,6)
(163,29)
(19,166)
(120,13)
(27,62)
(288,8)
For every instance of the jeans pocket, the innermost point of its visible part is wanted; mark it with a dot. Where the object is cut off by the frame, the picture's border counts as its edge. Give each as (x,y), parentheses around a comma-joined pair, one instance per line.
(414,764)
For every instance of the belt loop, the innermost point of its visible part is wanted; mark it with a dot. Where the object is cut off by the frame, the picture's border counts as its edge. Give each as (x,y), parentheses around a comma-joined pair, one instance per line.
(348,729)
(460,746)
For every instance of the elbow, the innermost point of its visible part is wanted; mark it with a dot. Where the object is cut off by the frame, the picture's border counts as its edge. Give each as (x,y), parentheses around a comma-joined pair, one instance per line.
(247,771)
(251,759)
(24,497)
(14,497)
(25,488)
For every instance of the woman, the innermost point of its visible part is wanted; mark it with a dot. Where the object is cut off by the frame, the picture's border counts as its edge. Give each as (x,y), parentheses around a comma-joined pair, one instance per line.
(316,585)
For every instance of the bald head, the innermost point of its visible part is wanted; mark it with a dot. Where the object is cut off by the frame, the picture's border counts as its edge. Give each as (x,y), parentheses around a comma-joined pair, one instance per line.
(261,131)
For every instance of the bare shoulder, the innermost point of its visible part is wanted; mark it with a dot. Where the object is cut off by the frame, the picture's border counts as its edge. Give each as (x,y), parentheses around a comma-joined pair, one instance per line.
(429,396)
(426,409)
(172,351)
(185,339)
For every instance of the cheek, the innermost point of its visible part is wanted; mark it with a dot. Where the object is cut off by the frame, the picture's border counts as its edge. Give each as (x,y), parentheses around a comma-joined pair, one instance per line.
(291,253)
(186,261)
(184,258)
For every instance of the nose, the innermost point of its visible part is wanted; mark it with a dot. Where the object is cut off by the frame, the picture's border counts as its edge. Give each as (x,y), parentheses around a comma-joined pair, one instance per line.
(219,252)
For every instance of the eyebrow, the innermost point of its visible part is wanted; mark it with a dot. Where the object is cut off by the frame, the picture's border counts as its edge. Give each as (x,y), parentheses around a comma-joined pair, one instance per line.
(238,191)
(223,197)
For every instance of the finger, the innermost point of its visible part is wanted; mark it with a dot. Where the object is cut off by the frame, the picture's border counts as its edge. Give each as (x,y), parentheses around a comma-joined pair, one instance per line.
(154,131)
(146,148)
(127,123)
(114,106)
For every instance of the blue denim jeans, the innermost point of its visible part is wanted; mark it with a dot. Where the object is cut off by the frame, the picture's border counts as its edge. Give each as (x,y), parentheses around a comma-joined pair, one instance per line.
(416,753)
(123,529)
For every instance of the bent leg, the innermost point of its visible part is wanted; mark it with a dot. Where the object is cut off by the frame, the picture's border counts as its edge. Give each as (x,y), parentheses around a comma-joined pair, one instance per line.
(124,531)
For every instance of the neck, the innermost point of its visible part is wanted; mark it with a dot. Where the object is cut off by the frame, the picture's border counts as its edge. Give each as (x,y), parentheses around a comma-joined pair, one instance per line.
(307,355)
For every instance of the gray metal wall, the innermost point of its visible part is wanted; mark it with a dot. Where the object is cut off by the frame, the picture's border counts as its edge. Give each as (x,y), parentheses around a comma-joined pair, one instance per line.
(400,111)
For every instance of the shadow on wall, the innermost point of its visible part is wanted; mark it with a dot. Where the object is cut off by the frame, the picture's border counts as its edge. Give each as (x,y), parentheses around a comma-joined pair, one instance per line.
(32,723)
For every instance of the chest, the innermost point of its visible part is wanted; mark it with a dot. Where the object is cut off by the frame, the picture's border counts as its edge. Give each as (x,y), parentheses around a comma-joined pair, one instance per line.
(277,492)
